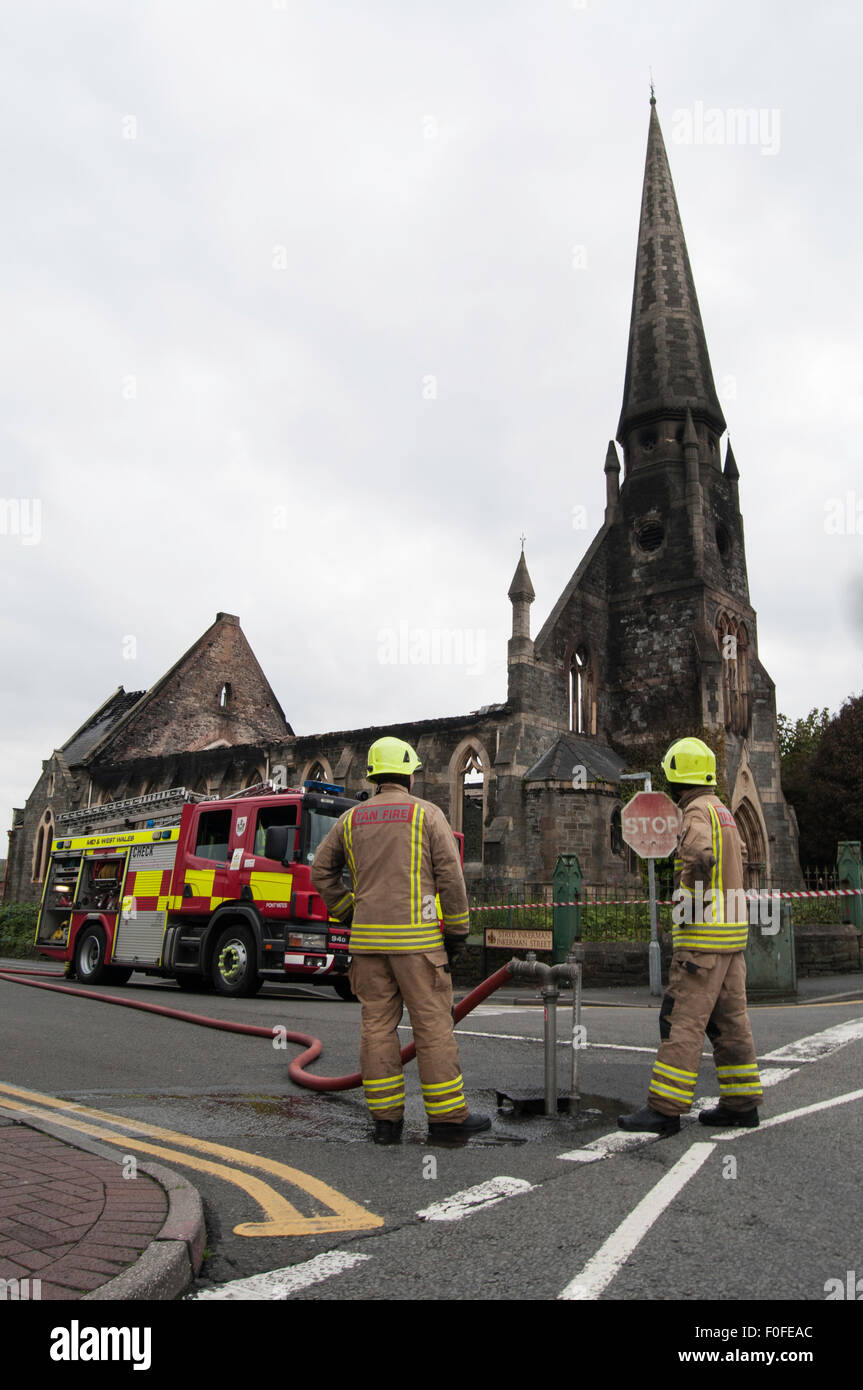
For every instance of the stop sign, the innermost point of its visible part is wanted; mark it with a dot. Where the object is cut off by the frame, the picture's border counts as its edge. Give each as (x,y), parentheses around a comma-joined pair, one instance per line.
(651,824)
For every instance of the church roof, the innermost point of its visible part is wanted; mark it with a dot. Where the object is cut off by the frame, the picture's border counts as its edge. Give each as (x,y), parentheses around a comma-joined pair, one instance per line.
(558,764)
(94,729)
(181,726)
(667,364)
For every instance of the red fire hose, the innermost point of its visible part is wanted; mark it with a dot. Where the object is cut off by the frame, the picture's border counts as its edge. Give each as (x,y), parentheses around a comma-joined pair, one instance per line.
(314,1047)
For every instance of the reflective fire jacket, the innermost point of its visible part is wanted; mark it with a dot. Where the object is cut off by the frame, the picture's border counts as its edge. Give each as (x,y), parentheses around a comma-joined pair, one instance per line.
(710,905)
(400,854)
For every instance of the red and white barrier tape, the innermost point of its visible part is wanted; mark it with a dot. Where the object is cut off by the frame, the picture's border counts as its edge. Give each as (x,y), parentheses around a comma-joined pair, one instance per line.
(667,902)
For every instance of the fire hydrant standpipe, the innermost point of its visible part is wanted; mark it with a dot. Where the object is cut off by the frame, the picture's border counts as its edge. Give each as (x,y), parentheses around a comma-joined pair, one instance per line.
(532,970)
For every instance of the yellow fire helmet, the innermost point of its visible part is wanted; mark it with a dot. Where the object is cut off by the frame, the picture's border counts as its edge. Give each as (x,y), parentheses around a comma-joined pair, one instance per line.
(392,755)
(690,761)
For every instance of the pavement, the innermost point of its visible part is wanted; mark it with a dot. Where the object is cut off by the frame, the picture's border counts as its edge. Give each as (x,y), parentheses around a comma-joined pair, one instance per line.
(86,1224)
(811,989)
(90,1224)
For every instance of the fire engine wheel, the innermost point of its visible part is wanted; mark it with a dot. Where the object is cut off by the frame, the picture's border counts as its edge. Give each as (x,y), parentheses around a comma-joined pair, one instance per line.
(90,967)
(234,969)
(342,985)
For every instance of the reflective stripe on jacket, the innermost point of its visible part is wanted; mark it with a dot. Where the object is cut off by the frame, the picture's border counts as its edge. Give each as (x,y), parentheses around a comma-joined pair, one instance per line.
(710,912)
(401,854)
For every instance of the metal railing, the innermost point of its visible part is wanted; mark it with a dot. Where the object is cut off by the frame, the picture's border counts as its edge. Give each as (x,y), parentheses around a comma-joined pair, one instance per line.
(612,913)
(608,912)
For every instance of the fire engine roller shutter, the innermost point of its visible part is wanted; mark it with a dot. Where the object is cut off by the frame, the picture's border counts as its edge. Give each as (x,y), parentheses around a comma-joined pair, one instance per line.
(141,926)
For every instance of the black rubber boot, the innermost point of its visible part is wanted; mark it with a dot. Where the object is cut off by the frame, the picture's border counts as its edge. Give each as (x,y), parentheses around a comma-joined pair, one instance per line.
(472,1124)
(649,1121)
(388,1131)
(731,1119)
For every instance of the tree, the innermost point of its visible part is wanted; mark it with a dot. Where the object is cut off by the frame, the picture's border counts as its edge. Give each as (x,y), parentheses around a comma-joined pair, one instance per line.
(798,743)
(835,793)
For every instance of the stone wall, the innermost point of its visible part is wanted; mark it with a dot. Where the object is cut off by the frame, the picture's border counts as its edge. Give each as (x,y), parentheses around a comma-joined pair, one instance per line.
(827,950)
(820,950)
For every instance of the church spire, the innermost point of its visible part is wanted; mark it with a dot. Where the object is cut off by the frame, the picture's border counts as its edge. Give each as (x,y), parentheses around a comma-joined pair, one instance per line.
(521,589)
(667,365)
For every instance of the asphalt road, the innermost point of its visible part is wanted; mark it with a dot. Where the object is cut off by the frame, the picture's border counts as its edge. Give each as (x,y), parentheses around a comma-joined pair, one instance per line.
(772,1214)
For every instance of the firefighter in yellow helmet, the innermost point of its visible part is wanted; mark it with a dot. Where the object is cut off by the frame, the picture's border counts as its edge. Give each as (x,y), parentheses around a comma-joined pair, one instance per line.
(707,979)
(401,854)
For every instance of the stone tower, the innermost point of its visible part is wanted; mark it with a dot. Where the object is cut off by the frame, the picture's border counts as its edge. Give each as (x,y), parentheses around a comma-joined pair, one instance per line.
(655,636)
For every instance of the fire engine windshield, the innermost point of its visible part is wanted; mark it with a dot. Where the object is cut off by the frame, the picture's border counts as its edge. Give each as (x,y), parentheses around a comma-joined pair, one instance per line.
(317,822)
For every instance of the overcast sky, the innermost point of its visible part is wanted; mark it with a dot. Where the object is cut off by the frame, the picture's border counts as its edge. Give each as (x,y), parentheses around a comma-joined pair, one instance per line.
(311,310)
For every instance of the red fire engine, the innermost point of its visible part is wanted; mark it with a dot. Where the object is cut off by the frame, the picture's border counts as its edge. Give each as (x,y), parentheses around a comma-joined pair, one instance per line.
(206,892)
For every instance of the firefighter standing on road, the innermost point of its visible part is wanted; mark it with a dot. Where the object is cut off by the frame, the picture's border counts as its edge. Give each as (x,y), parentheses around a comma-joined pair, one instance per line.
(400,854)
(707,980)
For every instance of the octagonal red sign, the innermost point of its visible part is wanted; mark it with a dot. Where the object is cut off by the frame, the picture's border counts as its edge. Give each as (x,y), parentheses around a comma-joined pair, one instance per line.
(651,824)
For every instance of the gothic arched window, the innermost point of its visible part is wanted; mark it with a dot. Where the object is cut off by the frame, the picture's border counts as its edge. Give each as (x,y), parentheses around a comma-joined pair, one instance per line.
(472,779)
(318,770)
(42,847)
(468,790)
(733,643)
(582,693)
(752,845)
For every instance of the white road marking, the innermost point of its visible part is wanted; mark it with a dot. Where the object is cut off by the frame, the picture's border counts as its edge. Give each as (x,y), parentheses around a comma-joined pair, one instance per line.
(498,1037)
(619,1141)
(610,1258)
(791,1115)
(561,1042)
(485,1194)
(852,994)
(818,1045)
(489,1010)
(281,1283)
(776,1074)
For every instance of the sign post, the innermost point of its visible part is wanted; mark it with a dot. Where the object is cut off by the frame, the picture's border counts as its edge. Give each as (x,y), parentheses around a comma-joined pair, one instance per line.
(650,824)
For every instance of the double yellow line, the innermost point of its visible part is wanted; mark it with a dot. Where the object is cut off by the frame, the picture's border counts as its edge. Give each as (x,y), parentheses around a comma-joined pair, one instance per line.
(282,1219)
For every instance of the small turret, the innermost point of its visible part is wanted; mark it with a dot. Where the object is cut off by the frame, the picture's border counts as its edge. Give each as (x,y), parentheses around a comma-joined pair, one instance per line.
(521,595)
(612,482)
(730,472)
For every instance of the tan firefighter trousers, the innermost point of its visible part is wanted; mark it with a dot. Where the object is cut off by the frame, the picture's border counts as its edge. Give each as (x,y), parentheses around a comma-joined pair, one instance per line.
(706,994)
(381,983)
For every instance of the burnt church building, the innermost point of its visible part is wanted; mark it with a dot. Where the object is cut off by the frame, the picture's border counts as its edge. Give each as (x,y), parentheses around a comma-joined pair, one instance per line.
(653,638)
